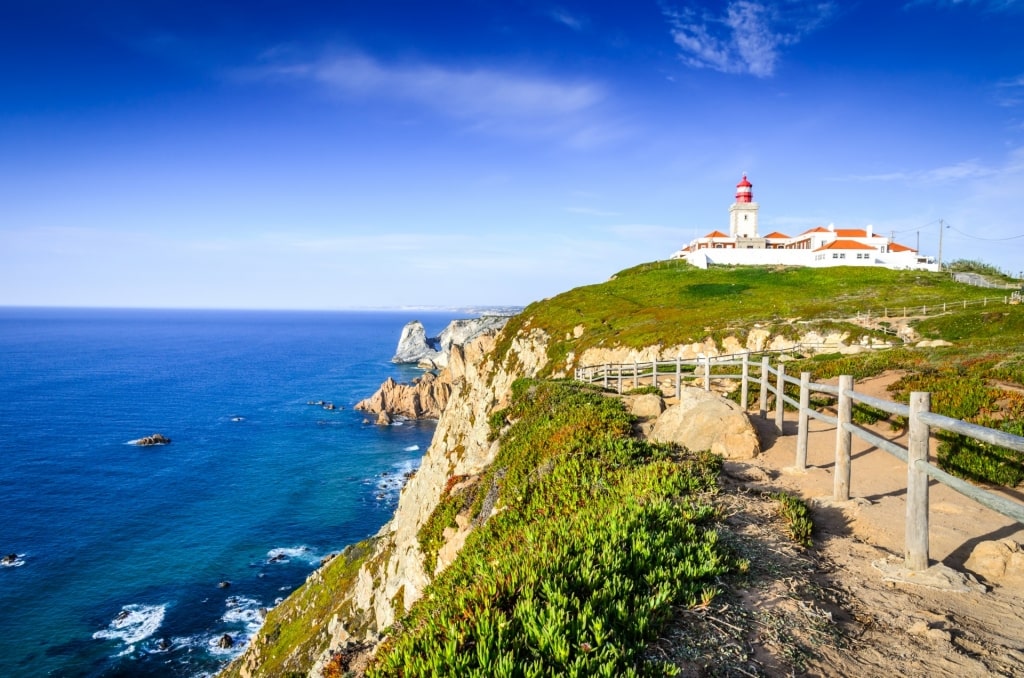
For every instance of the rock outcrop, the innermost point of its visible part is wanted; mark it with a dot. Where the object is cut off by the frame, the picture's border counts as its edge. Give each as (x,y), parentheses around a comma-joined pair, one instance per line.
(999,562)
(707,421)
(424,398)
(415,347)
(155,439)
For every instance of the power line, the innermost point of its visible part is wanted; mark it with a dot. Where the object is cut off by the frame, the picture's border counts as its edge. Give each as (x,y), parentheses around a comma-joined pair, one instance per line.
(978,237)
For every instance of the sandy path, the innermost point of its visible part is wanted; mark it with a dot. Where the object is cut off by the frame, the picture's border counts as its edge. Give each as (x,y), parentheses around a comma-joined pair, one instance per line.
(897,628)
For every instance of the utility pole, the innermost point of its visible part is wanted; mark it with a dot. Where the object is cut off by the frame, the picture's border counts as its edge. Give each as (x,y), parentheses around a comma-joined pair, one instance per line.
(919,241)
(942,228)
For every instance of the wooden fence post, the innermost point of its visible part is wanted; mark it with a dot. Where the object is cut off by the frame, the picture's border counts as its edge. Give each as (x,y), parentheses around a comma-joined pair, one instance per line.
(841,488)
(802,426)
(636,375)
(745,382)
(619,370)
(607,369)
(679,376)
(762,406)
(707,373)
(916,540)
(780,389)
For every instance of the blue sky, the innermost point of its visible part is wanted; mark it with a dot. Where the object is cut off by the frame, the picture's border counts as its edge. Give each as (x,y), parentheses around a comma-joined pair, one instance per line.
(273,154)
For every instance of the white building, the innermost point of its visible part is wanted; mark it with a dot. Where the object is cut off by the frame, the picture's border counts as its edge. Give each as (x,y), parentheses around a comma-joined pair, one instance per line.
(819,246)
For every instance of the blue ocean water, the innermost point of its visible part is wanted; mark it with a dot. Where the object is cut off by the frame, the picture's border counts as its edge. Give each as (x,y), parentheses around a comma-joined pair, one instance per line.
(120,548)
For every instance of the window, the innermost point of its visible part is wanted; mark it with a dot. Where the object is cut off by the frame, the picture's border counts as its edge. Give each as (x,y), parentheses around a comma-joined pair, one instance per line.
(835,255)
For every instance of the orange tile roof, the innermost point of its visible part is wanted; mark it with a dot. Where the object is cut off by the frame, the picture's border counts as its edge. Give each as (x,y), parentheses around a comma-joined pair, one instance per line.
(816,229)
(776,234)
(896,247)
(716,234)
(851,233)
(844,245)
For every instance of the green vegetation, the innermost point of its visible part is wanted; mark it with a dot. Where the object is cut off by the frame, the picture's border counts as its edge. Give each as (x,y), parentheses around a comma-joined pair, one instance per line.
(671,302)
(974,266)
(644,390)
(797,515)
(295,632)
(591,538)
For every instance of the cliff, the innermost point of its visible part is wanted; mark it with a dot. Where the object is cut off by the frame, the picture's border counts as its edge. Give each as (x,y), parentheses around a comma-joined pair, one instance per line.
(346,603)
(424,398)
(414,346)
(345,606)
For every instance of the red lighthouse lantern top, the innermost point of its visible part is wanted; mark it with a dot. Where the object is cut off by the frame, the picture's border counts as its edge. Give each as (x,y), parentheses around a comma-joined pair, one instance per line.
(744,192)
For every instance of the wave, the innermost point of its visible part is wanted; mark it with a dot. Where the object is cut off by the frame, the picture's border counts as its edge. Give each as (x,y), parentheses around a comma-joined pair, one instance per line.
(411,448)
(390,483)
(133,624)
(243,616)
(17,561)
(284,555)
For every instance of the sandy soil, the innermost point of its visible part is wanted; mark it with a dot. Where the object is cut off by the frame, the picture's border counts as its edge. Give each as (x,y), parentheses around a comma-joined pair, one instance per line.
(827,611)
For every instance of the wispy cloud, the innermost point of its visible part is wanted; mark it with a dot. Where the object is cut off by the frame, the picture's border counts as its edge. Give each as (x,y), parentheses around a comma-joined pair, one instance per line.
(968,169)
(1010,92)
(590,211)
(991,5)
(562,16)
(484,96)
(748,37)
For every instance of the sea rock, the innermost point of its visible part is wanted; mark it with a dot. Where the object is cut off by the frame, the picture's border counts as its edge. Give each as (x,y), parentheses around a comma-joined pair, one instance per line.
(706,421)
(224,584)
(424,398)
(413,344)
(415,347)
(9,559)
(155,439)
(225,641)
(383,419)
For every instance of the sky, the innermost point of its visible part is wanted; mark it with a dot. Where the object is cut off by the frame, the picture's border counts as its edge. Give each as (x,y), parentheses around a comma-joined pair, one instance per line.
(284,154)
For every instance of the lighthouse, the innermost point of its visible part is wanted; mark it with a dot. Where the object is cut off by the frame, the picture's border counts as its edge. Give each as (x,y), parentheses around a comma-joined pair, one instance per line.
(743,212)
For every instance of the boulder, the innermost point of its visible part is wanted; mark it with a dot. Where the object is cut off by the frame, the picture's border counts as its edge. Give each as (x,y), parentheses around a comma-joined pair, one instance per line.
(997,561)
(706,421)
(225,641)
(383,419)
(645,406)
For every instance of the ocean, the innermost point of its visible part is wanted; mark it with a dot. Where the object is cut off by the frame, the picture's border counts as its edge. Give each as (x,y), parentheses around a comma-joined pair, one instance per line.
(136,561)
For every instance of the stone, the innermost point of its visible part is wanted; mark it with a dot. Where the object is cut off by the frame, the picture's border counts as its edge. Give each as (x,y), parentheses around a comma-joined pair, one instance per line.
(225,641)
(155,439)
(706,421)
(224,584)
(997,561)
(645,405)
(9,559)
(415,347)
(424,398)
(383,419)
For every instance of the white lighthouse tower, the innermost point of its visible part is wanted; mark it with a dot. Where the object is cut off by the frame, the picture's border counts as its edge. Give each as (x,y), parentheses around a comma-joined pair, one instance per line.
(743,212)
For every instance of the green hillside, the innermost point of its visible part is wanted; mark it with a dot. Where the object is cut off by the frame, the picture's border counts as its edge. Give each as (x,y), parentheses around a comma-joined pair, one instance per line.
(671,302)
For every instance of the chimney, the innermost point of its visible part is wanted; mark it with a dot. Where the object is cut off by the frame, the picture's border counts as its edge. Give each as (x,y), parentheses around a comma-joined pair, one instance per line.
(832,227)
(870,229)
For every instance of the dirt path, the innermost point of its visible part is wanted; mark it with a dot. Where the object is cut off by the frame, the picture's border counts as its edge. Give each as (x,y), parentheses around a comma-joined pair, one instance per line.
(837,615)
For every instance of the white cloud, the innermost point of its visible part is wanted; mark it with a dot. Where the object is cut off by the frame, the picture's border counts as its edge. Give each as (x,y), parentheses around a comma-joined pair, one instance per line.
(968,169)
(992,5)
(563,17)
(590,211)
(482,95)
(748,37)
(1010,92)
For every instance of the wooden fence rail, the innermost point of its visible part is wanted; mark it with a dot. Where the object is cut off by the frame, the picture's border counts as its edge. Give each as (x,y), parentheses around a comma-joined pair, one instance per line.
(921,422)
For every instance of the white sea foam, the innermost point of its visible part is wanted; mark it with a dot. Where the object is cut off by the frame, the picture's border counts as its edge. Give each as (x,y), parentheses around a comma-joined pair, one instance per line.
(411,448)
(284,555)
(18,561)
(242,618)
(133,624)
(390,484)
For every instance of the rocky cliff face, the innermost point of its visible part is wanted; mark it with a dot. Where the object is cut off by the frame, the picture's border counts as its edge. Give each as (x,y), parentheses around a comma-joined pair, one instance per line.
(392,576)
(424,398)
(414,346)
(375,582)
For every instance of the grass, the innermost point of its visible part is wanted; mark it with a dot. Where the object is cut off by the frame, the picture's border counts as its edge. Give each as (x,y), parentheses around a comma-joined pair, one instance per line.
(591,538)
(671,302)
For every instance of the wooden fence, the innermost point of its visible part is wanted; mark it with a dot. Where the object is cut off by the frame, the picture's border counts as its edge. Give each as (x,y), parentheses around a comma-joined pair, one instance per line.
(773,380)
